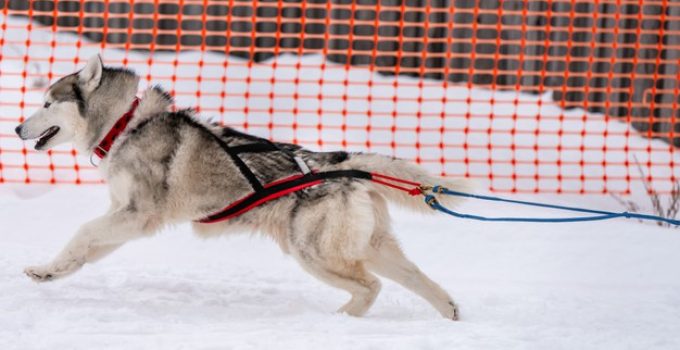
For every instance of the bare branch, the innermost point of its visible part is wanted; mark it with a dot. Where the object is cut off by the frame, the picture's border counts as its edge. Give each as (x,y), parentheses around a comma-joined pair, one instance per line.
(669,212)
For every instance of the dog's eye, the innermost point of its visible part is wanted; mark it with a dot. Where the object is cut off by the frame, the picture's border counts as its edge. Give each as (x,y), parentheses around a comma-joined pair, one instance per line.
(47,105)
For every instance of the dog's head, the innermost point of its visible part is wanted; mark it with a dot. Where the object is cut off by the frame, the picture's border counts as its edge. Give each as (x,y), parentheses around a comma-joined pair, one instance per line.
(78,106)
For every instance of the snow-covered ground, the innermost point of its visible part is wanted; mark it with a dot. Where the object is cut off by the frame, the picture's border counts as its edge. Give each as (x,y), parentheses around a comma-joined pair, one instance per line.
(604,285)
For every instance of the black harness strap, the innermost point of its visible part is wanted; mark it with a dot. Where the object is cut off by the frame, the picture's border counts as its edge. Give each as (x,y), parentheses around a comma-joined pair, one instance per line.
(260,145)
(255,148)
(252,179)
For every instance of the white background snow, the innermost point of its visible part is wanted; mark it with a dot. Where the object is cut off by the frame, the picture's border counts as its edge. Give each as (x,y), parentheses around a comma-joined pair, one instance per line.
(601,285)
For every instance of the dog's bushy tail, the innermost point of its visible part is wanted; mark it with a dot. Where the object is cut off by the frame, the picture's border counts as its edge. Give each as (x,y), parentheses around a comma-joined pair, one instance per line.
(408,171)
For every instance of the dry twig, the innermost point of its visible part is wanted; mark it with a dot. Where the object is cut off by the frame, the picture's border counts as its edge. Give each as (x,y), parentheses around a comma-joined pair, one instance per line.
(669,212)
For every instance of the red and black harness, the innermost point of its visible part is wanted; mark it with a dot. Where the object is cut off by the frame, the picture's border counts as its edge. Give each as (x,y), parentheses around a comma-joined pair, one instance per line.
(308,178)
(263,193)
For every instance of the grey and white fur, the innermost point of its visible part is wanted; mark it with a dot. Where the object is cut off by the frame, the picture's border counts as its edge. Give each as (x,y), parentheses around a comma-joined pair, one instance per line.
(167,168)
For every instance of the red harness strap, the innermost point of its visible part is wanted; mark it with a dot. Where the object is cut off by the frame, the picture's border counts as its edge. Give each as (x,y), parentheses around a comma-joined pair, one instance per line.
(105,145)
(278,189)
(249,202)
(297,183)
(416,190)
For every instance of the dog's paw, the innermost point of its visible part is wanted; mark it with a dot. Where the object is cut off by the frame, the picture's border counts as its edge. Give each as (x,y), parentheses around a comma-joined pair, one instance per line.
(39,273)
(452,312)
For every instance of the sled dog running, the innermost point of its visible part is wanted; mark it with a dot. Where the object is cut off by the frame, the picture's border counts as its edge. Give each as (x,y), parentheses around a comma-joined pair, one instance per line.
(166,167)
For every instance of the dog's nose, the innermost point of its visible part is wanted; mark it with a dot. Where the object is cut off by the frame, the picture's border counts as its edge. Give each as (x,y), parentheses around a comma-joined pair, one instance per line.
(18,130)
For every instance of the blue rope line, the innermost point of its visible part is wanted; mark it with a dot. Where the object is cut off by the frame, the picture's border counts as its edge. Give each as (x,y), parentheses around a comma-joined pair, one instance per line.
(431,200)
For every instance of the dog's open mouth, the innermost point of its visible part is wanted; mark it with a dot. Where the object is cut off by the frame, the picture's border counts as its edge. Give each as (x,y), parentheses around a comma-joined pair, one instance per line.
(46,136)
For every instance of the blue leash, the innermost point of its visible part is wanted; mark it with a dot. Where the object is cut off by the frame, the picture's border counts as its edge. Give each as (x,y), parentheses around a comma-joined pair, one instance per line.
(431,200)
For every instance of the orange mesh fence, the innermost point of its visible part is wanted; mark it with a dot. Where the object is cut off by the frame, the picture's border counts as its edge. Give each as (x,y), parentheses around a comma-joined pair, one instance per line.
(527,96)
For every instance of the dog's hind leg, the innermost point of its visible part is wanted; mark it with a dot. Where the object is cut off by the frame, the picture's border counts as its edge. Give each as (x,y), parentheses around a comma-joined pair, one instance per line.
(350,276)
(329,237)
(388,260)
(93,241)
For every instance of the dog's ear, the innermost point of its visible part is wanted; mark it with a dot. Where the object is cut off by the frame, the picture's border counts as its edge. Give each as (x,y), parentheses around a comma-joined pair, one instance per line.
(90,76)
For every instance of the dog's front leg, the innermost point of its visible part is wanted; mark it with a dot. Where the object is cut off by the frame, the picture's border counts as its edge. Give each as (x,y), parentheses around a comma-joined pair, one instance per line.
(93,241)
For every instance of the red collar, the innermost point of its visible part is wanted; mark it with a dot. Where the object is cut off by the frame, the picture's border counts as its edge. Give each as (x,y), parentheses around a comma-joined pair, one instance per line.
(105,145)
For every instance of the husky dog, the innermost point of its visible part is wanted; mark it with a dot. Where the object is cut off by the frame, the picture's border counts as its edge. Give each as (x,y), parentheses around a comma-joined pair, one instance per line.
(169,167)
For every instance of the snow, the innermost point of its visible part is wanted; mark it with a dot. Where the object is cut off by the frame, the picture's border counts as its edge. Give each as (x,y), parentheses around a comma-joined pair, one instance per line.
(600,285)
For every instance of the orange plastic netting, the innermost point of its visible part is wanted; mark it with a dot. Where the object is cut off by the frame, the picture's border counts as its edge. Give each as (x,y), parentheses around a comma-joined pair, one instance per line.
(529,96)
